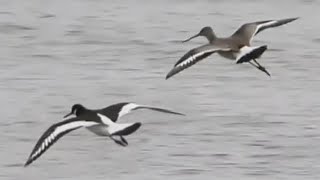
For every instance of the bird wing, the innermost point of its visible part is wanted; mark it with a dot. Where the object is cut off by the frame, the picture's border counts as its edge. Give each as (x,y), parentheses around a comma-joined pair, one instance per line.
(249,30)
(193,56)
(116,111)
(55,132)
(132,106)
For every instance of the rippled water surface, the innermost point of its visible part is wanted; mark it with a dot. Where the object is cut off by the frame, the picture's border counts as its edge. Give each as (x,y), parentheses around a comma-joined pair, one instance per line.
(240,124)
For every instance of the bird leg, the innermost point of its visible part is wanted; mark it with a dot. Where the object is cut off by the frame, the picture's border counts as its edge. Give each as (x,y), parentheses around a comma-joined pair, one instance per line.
(121,142)
(258,66)
(124,140)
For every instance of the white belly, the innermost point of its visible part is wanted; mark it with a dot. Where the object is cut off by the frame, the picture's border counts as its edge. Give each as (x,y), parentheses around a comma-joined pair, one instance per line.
(100,130)
(228,54)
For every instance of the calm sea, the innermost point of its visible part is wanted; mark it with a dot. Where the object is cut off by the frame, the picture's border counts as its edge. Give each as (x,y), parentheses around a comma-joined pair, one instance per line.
(240,123)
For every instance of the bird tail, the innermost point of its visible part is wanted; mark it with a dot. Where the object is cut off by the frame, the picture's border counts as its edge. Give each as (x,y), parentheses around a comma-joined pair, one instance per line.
(117,129)
(248,53)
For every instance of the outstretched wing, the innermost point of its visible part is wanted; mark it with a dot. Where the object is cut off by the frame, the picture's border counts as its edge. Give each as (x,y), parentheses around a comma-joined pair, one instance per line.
(55,132)
(249,30)
(194,56)
(115,111)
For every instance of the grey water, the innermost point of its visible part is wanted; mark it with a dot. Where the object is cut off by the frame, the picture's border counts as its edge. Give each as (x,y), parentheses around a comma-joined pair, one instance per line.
(240,123)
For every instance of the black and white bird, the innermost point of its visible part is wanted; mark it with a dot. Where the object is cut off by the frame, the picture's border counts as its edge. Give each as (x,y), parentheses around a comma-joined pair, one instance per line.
(236,47)
(102,122)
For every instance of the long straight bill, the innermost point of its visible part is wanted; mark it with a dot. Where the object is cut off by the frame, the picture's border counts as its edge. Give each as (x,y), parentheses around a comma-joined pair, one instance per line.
(190,38)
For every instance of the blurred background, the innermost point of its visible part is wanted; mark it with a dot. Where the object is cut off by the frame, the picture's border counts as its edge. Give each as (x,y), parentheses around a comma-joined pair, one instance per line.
(240,123)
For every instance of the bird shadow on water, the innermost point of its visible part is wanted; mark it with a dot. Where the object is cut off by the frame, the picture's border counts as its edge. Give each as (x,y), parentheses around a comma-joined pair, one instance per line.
(11,165)
(187,171)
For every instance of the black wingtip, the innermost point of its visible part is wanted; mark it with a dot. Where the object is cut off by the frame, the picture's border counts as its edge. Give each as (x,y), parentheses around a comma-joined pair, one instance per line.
(163,110)
(29,161)
(169,75)
(177,113)
(172,72)
(288,20)
(292,19)
(160,110)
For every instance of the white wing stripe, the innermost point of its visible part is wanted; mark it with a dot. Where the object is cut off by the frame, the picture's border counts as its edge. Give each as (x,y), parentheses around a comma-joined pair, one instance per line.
(72,125)
(46,142)
(192,58)
(61,129)
(264,25)
(107,121)
(127,109)
(50,138)
(195,56)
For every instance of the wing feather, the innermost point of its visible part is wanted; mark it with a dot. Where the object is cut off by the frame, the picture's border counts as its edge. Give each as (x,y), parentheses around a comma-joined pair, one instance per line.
(129,107)
(192,57)
(249,30)
(53,133)
(116,111)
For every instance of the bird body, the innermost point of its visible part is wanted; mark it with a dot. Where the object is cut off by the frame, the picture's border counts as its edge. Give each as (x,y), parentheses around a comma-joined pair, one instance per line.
(236,47)
(101,122)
